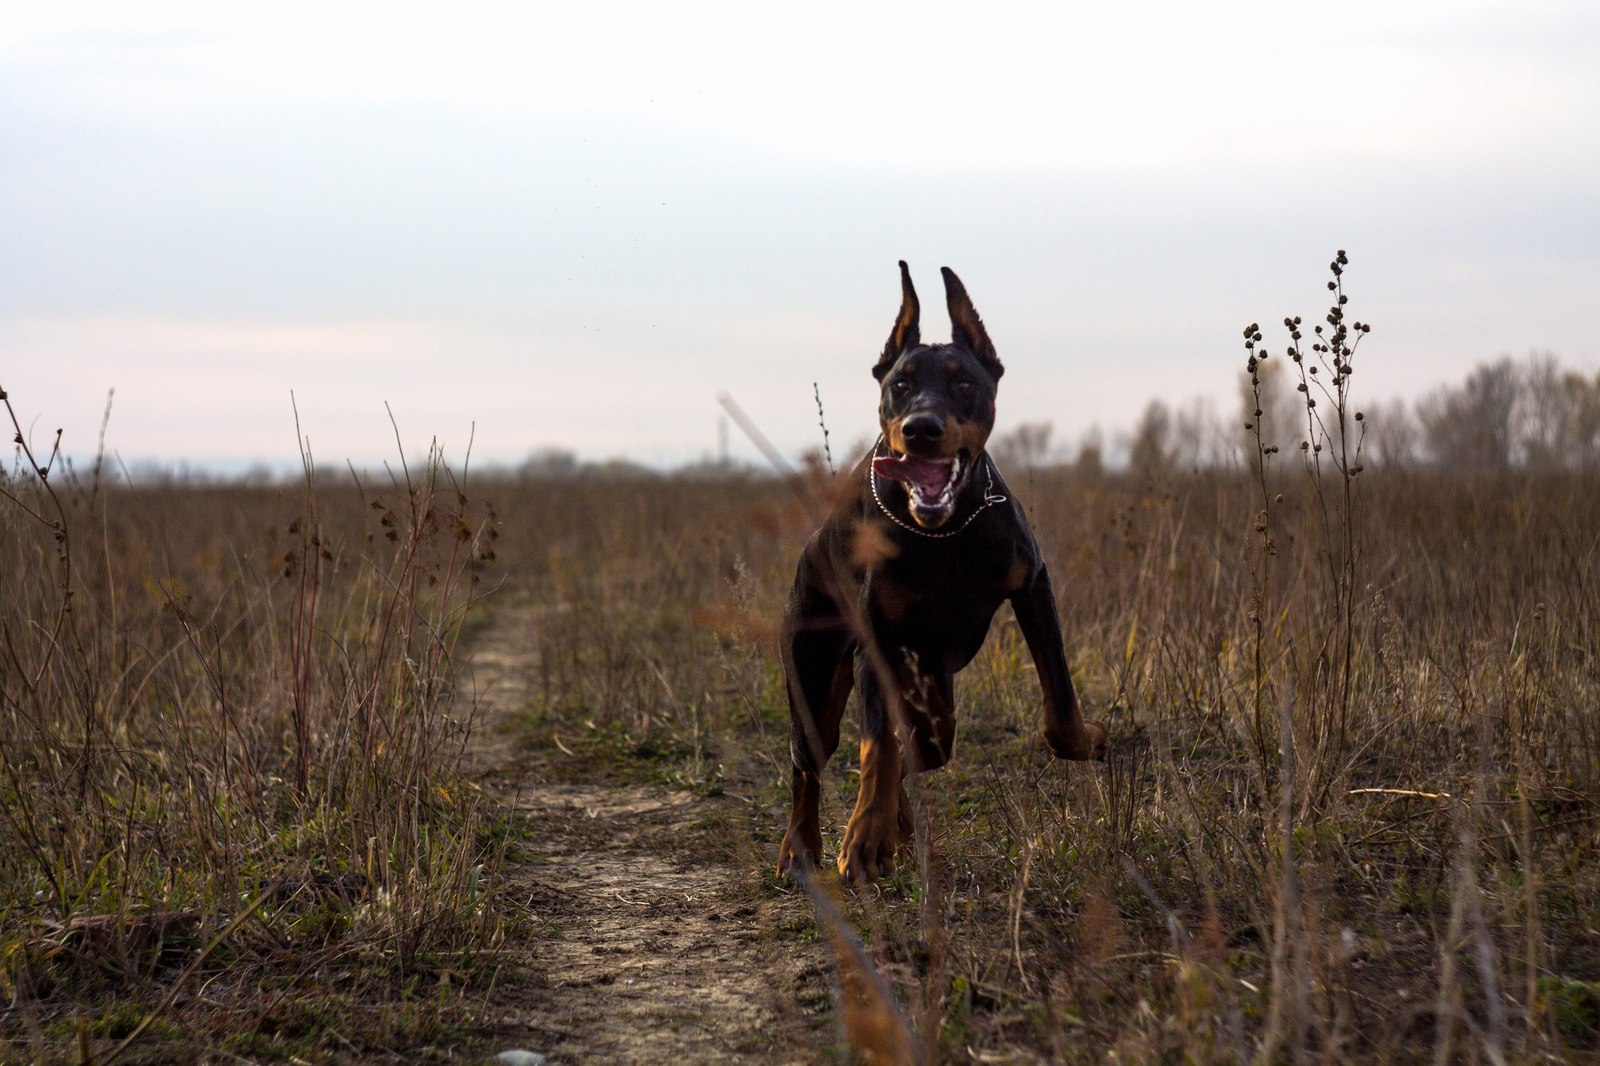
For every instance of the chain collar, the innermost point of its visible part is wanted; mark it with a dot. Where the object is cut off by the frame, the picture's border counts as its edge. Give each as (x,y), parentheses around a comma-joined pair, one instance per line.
(989,500)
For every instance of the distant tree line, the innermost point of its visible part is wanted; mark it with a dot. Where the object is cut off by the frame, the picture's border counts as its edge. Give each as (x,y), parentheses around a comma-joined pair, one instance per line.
(1531,414)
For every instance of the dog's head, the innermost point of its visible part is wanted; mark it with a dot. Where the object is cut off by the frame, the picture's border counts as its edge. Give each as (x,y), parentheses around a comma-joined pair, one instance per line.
(937,404)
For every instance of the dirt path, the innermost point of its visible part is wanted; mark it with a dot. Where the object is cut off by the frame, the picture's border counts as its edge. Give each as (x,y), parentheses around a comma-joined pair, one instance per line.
(645,951)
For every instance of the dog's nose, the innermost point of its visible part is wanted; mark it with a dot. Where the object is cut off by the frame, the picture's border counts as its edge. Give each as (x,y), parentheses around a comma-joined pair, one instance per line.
(922,429)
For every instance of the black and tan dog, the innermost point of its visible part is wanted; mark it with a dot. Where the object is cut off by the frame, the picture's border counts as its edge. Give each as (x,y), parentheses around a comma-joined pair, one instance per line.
(895,592)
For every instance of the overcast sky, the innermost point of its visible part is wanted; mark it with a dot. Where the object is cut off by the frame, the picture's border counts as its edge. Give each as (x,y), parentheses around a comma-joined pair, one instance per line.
(574,225)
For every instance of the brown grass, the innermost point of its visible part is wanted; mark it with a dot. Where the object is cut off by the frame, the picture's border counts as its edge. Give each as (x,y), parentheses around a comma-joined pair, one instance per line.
(228,727)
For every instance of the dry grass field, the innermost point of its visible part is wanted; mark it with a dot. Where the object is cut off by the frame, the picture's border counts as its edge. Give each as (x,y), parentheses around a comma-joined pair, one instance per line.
(229,810)
(1351,811)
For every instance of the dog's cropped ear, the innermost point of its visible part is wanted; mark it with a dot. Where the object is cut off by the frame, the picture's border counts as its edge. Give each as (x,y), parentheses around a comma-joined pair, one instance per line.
(905,334)
(966,328)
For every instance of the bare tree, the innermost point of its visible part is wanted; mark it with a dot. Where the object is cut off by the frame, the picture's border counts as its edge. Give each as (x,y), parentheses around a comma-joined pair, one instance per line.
(1393,436)
(547,463)
(1027,447)
(1473,427)
(1092,452)
(1530,413)
(1558,416)
(1151,450)
(1282,414)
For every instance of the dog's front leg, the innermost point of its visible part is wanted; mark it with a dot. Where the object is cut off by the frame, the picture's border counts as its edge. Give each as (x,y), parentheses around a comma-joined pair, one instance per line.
(802,841)
(1068,735)
(820,670)
(874,830)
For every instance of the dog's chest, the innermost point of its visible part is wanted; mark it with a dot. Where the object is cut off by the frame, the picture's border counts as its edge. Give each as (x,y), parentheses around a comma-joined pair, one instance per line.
(933,593)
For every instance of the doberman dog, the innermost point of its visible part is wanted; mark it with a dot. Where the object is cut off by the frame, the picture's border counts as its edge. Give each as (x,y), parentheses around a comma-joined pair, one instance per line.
(894,593)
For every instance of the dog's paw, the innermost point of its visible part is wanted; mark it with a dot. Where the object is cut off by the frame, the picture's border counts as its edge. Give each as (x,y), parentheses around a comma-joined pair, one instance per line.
(792,863)
(1088,744)
(797,855)
(870,841)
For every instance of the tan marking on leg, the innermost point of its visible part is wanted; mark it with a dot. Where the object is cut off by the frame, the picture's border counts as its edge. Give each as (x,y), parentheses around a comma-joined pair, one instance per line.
(870,837)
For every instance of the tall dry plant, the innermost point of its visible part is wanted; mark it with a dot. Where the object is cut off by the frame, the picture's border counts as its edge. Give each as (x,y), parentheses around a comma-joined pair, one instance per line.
(1330,447)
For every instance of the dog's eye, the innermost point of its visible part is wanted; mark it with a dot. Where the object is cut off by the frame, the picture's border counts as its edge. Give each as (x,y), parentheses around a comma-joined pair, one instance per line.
(966,387)
(900,387)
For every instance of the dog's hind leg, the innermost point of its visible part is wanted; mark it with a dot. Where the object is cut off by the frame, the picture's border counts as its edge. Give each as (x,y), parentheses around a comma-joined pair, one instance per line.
(930,718)
(818,667)
(930,733)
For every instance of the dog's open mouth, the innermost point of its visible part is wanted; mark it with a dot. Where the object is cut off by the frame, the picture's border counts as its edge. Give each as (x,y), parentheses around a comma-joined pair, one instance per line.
(932,484)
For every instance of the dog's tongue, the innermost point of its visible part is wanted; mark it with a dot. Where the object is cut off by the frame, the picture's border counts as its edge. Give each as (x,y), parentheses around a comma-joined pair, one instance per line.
(929,475)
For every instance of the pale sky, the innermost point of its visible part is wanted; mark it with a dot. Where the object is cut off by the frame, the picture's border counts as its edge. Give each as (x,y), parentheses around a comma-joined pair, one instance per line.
(574,225)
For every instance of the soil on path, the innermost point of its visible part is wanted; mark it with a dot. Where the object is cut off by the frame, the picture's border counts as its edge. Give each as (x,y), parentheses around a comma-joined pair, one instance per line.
(645,948)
